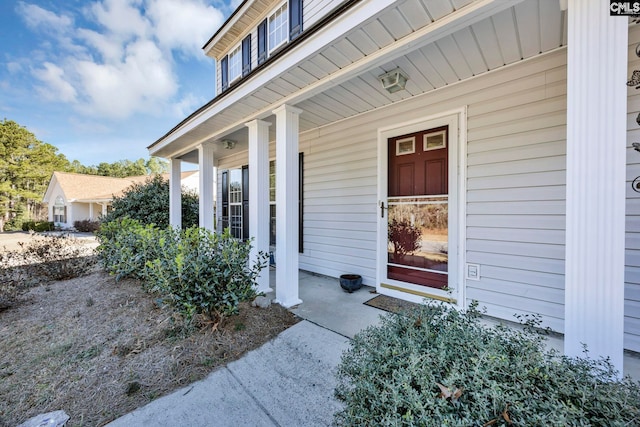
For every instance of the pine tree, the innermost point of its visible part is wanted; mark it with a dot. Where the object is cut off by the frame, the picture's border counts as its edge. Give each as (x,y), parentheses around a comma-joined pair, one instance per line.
(26,165)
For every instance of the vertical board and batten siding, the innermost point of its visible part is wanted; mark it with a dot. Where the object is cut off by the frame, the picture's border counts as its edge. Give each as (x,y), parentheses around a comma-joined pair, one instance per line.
(632,236)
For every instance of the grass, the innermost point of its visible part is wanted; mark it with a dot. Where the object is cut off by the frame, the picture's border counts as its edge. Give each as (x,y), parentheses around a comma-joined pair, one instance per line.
(98,349)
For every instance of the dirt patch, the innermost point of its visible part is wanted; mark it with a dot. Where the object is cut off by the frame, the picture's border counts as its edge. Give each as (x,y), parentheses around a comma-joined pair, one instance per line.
(98,349)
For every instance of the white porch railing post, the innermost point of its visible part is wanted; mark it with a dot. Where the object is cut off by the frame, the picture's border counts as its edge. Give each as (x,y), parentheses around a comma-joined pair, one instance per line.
(287,205)
(596,156)
(175,193)
(205,163)
(259,195)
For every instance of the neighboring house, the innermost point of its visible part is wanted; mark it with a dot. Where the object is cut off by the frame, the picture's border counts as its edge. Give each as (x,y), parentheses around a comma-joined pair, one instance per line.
(75,197)
(456,150)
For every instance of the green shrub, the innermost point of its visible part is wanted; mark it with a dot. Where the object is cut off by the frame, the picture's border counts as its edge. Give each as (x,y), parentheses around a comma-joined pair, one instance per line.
(125,247)
(196,271)
(86,226)
(439,367)
(38,226)
(204,273)
(149,204)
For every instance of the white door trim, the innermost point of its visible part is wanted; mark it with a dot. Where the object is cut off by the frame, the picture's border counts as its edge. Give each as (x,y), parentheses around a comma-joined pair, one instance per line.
(457,121)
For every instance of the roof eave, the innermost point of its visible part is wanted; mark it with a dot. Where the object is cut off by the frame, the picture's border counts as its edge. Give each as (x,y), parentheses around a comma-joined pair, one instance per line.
(342,8)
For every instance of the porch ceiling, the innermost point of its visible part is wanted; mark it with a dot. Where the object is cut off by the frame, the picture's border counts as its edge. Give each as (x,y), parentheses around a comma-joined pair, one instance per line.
(524,30)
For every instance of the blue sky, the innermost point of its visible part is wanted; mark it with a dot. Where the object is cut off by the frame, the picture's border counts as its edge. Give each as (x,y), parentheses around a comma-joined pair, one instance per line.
(103,79)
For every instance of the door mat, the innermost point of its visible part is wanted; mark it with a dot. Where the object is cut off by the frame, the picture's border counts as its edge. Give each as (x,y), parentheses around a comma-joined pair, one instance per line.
(390,304)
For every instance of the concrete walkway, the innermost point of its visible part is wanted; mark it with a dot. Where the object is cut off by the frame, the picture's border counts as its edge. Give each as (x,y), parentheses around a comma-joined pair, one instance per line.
(290,380)
(286,382)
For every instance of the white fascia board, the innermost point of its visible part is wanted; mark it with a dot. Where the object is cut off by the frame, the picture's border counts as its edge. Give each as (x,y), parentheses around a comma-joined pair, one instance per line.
(332,32)
(237,15)
(52,183)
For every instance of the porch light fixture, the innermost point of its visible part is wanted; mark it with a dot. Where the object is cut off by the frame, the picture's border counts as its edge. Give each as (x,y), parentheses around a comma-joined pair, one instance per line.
(394,80)
(228,144)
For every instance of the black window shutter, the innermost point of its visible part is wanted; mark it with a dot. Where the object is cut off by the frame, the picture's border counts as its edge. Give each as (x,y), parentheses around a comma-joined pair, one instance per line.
(300,201)
(262,42)
(246,55)
(245,202)
(224,72)
(225,199)
(295,18)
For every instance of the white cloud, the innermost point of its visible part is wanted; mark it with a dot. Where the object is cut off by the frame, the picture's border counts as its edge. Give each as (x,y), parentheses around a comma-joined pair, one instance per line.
(121,17)
(40,19)
(14,67)
(134,85)
(121,61)
(186,105)
(56,88)
(184,25)
(107,47)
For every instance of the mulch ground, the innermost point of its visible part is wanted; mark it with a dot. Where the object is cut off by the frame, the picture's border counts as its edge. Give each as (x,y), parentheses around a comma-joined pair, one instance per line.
(98,349)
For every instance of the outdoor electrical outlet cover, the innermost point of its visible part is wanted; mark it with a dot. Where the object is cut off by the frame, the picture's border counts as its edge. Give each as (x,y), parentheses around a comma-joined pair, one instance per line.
(473,271)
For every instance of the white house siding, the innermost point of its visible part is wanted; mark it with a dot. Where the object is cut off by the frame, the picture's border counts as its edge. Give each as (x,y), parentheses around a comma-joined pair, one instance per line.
(515,199)
(340,199)
(515,189)
(632,259)
(314,10)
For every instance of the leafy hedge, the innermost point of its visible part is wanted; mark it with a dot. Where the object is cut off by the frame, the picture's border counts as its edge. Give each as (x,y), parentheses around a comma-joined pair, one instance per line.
(197,272)
(148,203)
(38,226)
(439,367)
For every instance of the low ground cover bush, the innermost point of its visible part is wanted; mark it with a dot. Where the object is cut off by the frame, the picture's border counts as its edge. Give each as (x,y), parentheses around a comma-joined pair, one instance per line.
(49,257)
(439,367)
(199,273)
(57,257)
(86,226)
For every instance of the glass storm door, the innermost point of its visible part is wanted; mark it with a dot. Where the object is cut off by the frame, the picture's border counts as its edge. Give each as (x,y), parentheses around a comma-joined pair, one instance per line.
(418,208)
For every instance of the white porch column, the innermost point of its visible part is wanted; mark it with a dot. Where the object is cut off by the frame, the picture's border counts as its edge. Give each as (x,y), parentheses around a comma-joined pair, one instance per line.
(259,194)
(175,193)
(205,161)
(91,211)
(287,205)
(596,146)
(104,208)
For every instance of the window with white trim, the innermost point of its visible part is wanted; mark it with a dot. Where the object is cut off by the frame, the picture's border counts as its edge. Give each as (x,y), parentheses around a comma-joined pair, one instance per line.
(272,202)
(59,210)
(235,63)
(278,27)
(235,203)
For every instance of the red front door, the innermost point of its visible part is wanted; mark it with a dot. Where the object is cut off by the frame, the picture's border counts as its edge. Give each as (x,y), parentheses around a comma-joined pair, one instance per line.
(418,202)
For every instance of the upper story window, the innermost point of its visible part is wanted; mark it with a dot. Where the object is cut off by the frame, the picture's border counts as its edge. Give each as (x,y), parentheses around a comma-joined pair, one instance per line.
(281,26)
(235,63)
(278,27)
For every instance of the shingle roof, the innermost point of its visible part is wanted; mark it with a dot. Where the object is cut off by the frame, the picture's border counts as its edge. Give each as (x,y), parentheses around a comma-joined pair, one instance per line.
(92,187)
(81,187)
